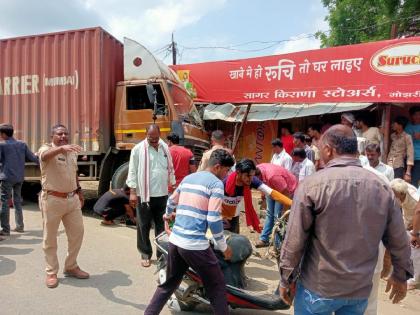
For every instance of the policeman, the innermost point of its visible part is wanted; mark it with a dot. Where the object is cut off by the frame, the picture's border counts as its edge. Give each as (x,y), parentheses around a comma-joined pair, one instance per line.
(61,199)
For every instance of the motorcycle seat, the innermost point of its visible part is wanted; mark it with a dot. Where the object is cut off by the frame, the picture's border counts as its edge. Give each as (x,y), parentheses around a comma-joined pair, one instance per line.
(266,301)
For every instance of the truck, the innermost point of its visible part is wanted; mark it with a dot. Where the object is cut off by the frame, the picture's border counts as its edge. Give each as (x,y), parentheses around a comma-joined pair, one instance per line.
(105,92)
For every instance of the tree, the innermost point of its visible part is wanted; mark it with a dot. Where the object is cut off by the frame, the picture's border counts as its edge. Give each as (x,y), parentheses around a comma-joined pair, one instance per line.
(358,21)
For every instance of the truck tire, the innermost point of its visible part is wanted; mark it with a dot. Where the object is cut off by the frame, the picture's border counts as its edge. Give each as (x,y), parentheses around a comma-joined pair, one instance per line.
(120,176)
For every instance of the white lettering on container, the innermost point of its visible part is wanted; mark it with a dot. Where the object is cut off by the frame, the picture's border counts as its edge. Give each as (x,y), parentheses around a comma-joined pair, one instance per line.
(16,85)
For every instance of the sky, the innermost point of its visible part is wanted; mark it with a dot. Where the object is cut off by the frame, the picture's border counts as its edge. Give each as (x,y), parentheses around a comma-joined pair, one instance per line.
(204,30)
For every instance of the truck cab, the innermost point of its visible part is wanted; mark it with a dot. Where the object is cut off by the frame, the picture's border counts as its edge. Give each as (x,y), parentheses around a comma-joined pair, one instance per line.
(134,111)
(151,93)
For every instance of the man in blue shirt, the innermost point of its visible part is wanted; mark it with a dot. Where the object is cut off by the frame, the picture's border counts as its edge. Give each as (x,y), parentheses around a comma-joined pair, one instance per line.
(413,129)
(12,167)
(198,202)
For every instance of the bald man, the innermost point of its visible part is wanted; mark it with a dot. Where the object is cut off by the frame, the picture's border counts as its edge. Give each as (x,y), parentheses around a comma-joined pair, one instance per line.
(335,226)
(150,174)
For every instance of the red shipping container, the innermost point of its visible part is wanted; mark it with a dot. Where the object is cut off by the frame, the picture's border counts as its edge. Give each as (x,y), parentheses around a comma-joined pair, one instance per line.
(67,78)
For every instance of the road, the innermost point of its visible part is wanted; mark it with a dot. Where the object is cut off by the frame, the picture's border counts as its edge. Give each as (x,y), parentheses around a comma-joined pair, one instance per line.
(117,284)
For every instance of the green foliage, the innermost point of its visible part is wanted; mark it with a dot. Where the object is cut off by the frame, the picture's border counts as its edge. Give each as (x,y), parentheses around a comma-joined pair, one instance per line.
(358,21)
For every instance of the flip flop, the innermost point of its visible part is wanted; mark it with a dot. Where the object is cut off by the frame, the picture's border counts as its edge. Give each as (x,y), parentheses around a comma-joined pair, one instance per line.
(146,263)
(411,287)
(107,223)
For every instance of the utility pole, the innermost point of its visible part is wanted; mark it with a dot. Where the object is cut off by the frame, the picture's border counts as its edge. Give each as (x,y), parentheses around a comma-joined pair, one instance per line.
(173,45)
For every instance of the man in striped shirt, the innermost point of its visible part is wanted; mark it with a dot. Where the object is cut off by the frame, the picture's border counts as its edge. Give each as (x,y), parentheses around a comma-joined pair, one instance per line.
(198,201)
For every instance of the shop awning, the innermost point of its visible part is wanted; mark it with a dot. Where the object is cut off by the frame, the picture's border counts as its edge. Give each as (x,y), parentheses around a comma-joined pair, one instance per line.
(264,112)
(379,72)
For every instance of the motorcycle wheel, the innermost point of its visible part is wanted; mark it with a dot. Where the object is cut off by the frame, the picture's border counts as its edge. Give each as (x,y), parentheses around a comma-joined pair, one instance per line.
(175,302)
(186,306)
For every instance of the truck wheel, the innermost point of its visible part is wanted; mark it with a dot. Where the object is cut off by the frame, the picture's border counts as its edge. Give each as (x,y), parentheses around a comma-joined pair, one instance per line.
(120,176)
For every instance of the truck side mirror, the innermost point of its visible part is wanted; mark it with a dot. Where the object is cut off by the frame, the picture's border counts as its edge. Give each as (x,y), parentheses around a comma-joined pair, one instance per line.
(151,93)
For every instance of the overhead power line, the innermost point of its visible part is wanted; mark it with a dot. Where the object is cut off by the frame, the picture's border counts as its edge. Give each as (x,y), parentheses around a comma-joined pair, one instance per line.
(272,43)
(177,50)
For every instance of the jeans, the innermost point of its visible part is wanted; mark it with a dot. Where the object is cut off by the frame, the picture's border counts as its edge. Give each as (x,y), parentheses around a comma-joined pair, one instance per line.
(274,209)
(308,303)
(6,189)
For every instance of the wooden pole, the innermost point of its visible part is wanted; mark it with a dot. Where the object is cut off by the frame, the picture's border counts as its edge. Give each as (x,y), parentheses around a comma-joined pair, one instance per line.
(238,134)
(387,124)
(386,128)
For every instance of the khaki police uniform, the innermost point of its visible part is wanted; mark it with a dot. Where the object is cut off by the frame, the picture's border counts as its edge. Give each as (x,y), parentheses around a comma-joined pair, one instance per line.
(58,175)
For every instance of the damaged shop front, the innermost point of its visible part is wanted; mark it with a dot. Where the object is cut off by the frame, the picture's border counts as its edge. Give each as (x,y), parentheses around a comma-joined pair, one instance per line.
(251,128)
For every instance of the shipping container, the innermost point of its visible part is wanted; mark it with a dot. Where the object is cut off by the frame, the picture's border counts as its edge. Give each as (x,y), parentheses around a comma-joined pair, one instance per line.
(64,78)
(76,78)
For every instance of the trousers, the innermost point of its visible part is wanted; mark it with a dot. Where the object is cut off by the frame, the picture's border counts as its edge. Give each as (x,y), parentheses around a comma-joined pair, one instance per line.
(205,263)
(54,211)
(146,214)
(6,190)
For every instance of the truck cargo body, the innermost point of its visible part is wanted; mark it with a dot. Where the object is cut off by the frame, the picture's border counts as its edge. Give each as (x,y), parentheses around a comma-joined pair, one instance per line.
(64,78)
(87,81)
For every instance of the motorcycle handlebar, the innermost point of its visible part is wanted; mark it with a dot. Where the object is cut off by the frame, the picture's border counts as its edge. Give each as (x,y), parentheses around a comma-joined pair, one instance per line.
(168,227)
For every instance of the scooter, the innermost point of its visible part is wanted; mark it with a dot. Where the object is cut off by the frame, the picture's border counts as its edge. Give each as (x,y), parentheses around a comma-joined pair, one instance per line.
(191,291)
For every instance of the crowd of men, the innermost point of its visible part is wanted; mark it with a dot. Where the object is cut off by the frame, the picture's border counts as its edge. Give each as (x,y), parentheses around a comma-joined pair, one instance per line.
(356,220)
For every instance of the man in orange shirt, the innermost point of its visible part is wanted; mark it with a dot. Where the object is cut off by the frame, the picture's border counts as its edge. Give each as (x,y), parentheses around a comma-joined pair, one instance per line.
(183,158)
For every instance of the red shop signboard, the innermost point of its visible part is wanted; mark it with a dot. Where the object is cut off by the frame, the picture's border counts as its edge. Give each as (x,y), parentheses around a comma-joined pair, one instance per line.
(385,71)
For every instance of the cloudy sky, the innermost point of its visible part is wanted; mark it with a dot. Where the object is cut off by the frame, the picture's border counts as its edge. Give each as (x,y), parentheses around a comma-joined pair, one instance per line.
(204,29)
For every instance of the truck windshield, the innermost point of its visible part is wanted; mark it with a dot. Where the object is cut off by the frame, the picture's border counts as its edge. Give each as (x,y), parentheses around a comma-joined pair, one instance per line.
(137,97)
(184,105)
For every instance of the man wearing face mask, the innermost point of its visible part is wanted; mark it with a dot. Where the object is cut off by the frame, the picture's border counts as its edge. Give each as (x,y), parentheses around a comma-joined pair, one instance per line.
(334,231)
(150,173)
(61,200)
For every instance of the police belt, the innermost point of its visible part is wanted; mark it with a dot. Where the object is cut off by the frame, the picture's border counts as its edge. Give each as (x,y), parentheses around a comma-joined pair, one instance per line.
(61,194)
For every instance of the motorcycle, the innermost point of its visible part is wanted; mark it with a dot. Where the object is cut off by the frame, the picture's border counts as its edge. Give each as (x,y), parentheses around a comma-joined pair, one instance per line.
(191,292)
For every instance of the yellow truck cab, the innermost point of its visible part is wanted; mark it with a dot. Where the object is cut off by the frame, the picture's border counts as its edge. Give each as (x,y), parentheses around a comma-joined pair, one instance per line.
(150,93)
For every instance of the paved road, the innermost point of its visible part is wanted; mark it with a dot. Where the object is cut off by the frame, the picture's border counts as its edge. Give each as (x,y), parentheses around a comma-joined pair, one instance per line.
(118,285)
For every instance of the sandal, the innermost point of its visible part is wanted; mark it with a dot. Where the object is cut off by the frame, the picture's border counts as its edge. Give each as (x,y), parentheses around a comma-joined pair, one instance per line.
(105,222)
(411,287)
(146,263)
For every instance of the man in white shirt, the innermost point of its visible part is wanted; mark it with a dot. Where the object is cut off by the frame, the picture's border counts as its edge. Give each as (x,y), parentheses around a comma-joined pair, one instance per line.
(150,173)
(373,154)
(302,166)
(408,197)
(280,156)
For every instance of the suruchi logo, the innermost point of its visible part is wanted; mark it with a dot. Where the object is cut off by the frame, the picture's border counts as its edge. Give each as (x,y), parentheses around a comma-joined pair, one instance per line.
(399,60)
